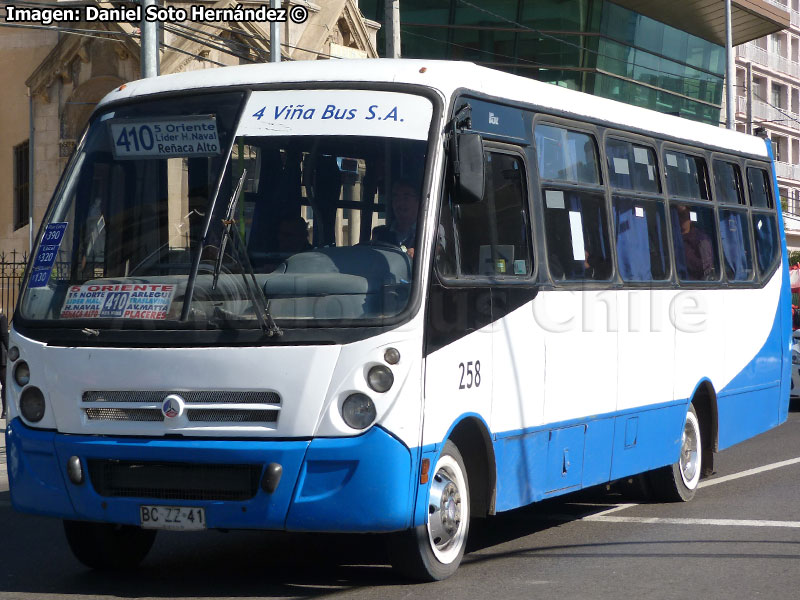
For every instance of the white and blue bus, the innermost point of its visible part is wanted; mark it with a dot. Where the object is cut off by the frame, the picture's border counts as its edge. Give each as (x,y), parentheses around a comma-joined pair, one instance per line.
(387,296)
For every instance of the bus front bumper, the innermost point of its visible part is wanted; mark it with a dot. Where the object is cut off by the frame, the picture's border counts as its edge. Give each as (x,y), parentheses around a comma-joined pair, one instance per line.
(359,484)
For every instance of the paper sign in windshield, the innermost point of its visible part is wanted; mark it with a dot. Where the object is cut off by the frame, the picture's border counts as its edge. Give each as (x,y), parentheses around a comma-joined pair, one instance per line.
(46,257)
(164,138)
(149,301)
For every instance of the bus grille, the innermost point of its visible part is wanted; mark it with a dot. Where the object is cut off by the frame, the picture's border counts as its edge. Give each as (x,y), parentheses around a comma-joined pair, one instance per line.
(174,481)
(124,414)
(201,407)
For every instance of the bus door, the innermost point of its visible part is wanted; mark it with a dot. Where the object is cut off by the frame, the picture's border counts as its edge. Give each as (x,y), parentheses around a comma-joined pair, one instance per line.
(518,353)
(518,348)
(458,329)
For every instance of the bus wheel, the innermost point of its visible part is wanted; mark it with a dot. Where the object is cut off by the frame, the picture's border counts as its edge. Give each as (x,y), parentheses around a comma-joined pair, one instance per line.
(678,482)
(107,546)
(433,551)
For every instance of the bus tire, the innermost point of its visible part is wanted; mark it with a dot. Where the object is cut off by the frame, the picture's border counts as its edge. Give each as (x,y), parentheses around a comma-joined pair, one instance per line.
(433,551)
(108,546)
(678,482)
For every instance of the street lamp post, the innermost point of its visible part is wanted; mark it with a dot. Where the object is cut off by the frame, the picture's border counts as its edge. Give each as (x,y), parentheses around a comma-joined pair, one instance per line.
(149,40)
(730,70)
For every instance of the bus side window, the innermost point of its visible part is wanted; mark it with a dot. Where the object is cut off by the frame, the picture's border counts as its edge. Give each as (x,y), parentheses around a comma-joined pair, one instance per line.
(735,234)
(576,228)
(566,155)
(765,232)
(734,227)
(641,230)
(687,175)
(728,183)
(632,166)
(758,182)
(489,238)
(694,236)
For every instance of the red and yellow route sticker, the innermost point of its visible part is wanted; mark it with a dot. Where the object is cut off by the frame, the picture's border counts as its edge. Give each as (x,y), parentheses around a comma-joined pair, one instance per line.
(150,301)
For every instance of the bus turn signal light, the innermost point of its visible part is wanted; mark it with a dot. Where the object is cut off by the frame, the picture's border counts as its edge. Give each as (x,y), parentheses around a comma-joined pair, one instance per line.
(426,467)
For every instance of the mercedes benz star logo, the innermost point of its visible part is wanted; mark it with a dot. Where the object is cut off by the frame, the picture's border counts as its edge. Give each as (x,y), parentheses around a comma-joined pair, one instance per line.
(172,407)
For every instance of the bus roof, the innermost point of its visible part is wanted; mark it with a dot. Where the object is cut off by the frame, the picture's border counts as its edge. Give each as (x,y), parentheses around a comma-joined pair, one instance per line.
(447,77)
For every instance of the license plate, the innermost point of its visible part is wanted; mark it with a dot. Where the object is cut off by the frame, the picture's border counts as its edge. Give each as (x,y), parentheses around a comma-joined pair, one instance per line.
(176,518)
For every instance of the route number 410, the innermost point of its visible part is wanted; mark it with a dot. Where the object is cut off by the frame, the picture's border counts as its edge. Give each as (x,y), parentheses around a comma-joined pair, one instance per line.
(470,375)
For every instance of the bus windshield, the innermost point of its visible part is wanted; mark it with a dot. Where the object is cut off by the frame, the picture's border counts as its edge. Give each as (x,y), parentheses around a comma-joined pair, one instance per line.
(173,212)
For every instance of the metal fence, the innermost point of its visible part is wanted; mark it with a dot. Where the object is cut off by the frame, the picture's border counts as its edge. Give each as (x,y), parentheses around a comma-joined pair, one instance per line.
(12,269)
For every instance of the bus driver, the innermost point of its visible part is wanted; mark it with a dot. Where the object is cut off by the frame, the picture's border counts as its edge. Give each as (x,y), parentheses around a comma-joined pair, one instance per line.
(403,230)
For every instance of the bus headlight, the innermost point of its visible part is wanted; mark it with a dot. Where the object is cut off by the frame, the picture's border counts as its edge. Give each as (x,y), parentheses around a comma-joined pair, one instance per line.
(380,378)
(392,356)
(358,411)
(22,374)
(31,404)
(13,353)
(796,358)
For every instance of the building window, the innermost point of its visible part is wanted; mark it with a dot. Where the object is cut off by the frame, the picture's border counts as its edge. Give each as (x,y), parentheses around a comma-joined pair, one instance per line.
(780,148)
(760,88)
(779,44)
(21,190)
(779,95)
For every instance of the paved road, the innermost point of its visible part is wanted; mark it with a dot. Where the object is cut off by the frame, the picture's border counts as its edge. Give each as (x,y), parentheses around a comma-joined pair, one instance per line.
(739,539)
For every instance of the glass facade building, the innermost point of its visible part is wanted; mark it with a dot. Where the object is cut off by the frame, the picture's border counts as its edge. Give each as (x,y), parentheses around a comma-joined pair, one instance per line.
(594,46)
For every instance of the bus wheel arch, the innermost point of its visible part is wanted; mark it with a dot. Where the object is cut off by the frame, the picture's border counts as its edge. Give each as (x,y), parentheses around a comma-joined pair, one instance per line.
(462,486)
(475,444)
(433,551)
(705,406)
(679,481)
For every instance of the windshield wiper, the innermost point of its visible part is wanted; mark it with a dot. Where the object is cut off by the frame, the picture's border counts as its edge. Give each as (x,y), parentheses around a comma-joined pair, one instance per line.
(254,291)
(257,297)
(227,223)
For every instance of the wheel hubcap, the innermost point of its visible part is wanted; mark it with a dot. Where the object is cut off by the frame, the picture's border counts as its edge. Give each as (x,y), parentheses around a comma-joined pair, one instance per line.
(444,511)
(689,453)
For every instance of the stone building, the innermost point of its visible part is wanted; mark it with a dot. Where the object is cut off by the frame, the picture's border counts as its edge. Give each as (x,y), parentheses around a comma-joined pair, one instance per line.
(54,78)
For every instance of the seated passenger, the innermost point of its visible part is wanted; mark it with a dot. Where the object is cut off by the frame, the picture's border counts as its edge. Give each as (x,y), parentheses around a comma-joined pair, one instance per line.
(293,235)
(696,247)
(403,230)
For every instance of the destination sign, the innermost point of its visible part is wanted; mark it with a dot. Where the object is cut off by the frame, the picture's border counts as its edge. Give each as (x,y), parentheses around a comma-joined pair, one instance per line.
(164,138)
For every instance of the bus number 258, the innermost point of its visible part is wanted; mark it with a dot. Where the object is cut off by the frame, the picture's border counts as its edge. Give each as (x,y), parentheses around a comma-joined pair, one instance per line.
(470,376)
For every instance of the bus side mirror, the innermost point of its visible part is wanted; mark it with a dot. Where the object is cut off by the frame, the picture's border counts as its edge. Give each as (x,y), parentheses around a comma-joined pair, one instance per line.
(468,168)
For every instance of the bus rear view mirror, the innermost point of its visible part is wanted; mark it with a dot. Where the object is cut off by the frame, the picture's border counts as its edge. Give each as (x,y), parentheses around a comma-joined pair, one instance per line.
(468,168)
